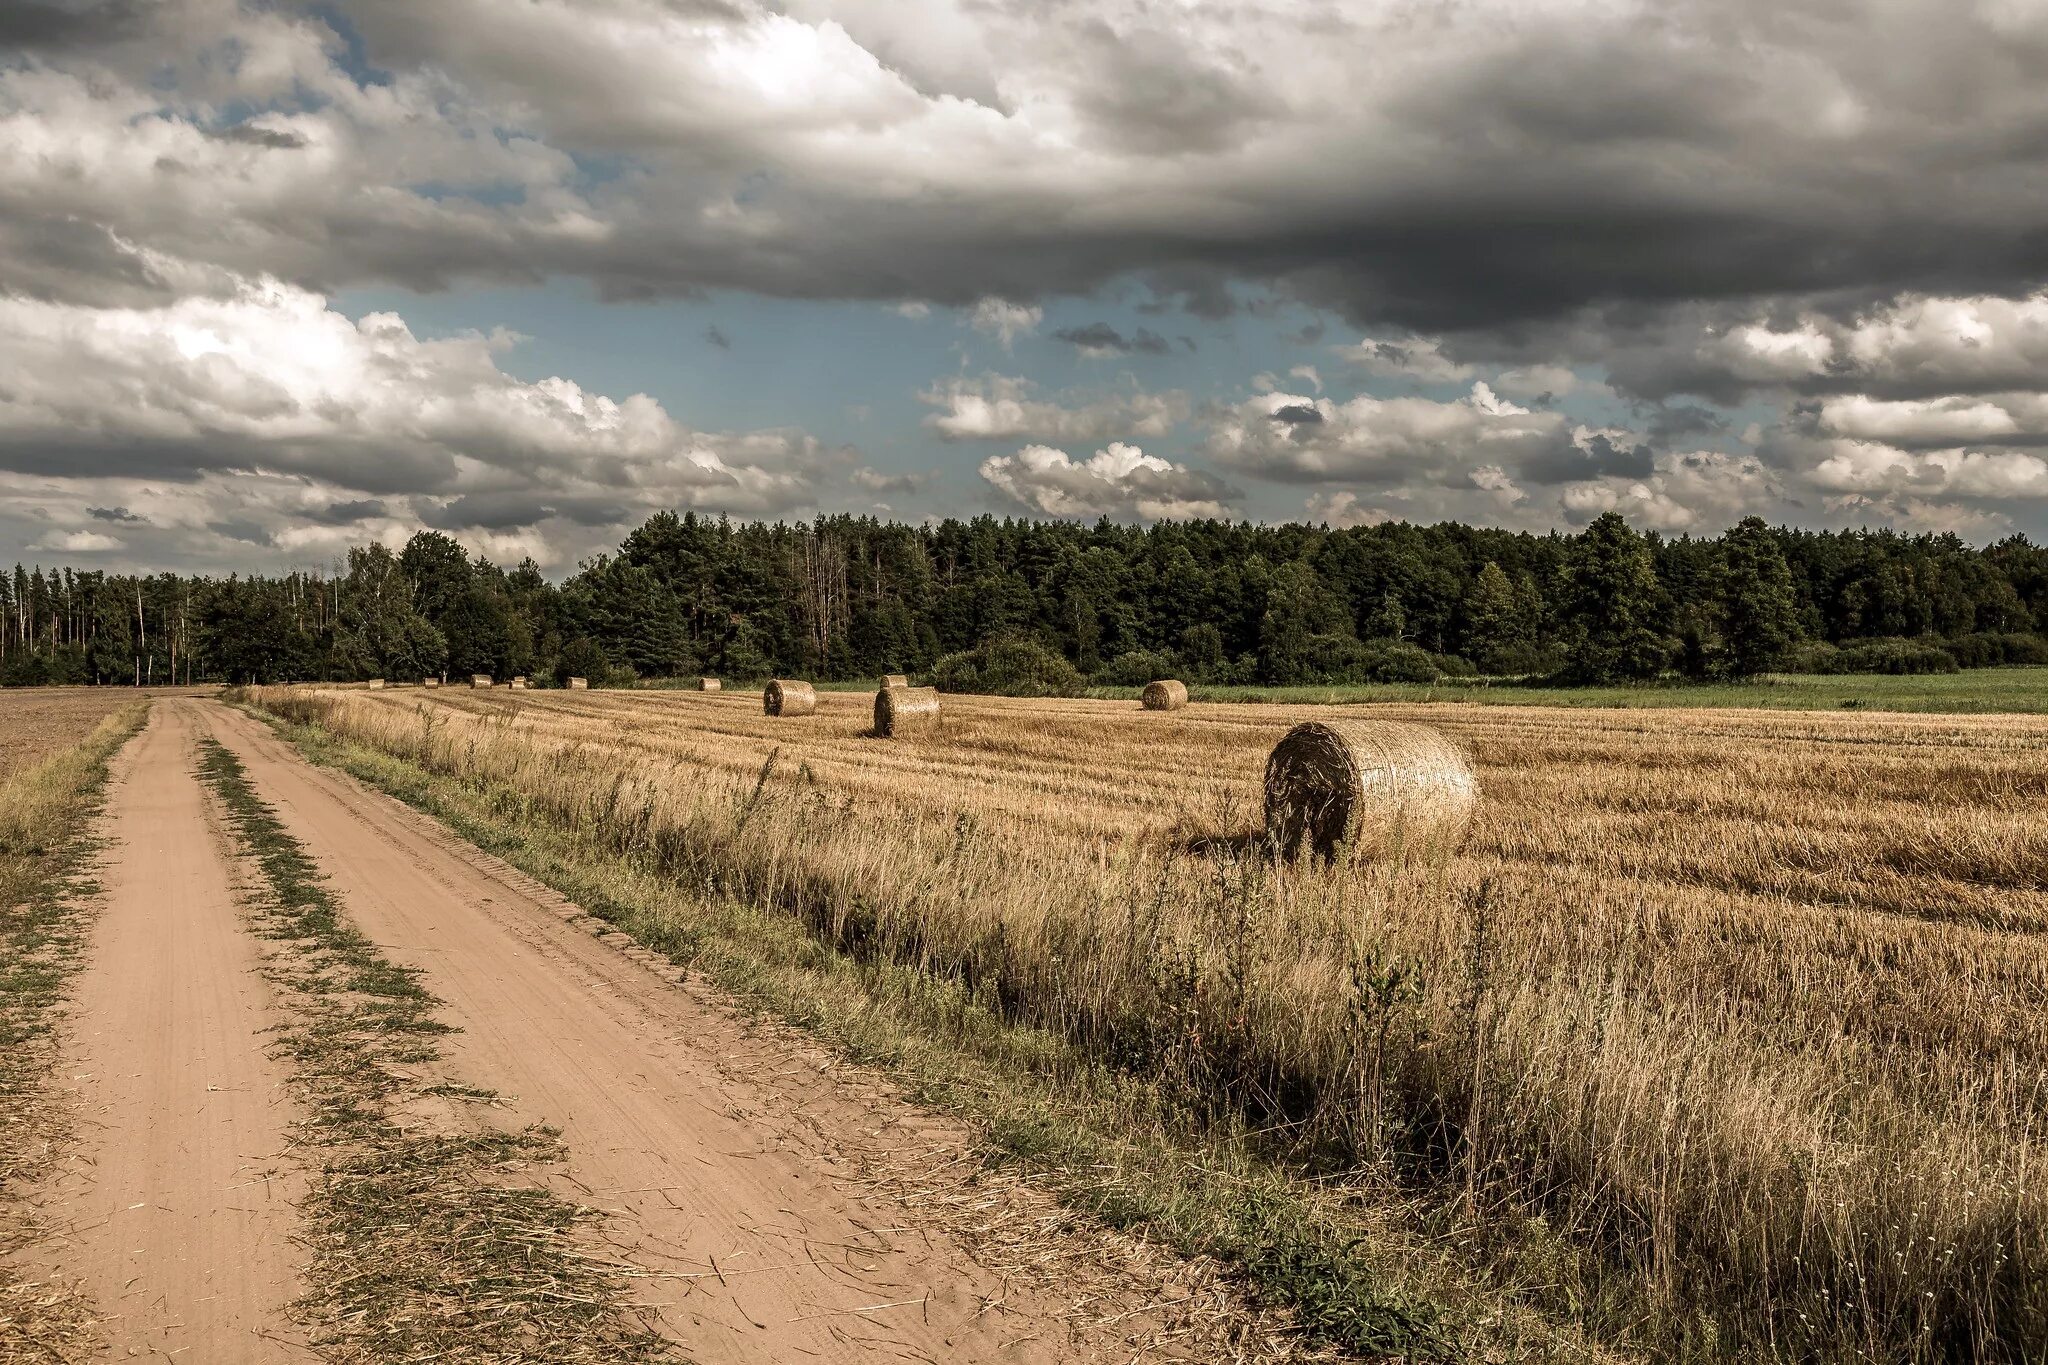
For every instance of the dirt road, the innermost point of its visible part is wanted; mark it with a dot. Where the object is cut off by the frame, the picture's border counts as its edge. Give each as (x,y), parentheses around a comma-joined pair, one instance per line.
(174,1206)
(735,1164)
(727,1160)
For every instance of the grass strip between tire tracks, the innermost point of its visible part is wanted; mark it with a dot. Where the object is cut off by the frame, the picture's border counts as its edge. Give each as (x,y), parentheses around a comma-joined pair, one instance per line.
(424,1244)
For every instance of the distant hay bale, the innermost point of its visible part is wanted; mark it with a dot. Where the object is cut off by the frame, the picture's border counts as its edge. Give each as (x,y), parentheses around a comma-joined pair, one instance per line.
(375,684)
(579,684)
(901,712)
(709,684)
(1167,694)
(519,682)
(430,682)
(789,697)
(890,680)
(1374,785)
(479,680)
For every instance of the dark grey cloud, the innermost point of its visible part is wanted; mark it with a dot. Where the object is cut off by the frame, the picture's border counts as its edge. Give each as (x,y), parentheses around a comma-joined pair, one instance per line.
(1597,458)
(248,532)
(42,27)
(1668,422)
(717,337)
(274,138)
(1099,338)
(1298,414)
(346,512)
(1487,169)
(517,510)
(116,514)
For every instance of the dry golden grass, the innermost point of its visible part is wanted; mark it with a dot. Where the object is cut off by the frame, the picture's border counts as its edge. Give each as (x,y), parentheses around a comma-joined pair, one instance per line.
(38,722)
(1752,1005)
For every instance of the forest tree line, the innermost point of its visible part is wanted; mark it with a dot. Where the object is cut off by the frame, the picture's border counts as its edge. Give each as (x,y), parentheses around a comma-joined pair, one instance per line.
(850,597)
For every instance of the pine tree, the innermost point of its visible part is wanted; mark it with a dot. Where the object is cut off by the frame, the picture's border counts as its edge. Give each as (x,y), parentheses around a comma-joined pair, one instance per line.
(1760,611)
(1608,599)
(1497,632)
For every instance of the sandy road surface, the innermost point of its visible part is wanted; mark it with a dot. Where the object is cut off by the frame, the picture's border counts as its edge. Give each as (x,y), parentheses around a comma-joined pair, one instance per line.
(736,1197)
(174,1204)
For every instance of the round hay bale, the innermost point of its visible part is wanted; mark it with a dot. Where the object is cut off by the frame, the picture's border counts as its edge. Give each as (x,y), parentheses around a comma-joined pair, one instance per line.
(430,682)
(479,680)
(1378,786)
(579,684)
(901,712)
(709,685)
(890,680)
(1168,694)
(789,697)
(375,684)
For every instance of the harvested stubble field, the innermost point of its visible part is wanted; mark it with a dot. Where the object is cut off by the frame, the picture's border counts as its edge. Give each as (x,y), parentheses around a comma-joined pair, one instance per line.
(1751,1009)
(37,723)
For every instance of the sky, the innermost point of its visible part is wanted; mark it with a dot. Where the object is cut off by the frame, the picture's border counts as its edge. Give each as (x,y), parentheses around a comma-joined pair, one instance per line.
(280,278)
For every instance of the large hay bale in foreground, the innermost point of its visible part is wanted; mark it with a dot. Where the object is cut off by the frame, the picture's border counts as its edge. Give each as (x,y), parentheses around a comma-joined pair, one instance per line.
(1375,785)
(709,685)
(789,697)
(479,680)
(1168,694)
(901,712)
(890,680)
(579,684)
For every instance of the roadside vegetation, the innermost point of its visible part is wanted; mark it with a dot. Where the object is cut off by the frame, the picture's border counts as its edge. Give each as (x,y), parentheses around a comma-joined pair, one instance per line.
(1718,1040)
(428,1241)
(53,771)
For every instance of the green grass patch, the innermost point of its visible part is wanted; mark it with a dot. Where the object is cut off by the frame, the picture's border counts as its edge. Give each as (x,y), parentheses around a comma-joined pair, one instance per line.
(425,1246)
(2022,690)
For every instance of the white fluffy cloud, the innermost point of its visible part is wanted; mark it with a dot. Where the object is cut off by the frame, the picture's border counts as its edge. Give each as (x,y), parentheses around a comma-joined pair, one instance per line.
(1698,491)
(1004,320)
(1417,358)
(1380,441)
(1007,408)
(266,379)
(1117,481)
(1912,347)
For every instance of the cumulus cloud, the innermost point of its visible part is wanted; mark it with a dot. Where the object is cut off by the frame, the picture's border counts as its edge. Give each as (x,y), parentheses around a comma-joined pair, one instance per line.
(1715,149)
(1004,320)
(76,542)
(1381,442)
(1721,199)
(1907,347)
(1697,491)
(1118,481)
(1006,408)
(362,416)
(1417,358)
(1342,511)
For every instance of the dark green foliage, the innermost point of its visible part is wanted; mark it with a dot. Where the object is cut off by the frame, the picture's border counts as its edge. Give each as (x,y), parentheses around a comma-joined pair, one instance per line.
(1987,649)
(1209,602)
(1008,666)
(1758,609)
(583,658)
(1609,602)
(1137,667)
(1891,656)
